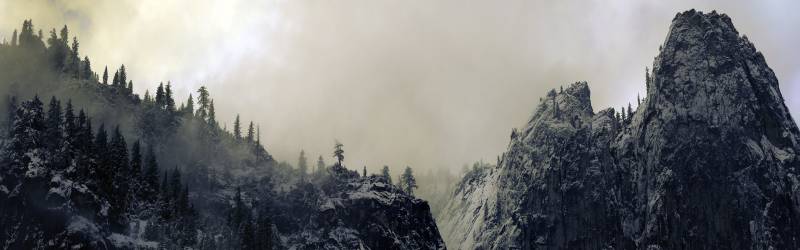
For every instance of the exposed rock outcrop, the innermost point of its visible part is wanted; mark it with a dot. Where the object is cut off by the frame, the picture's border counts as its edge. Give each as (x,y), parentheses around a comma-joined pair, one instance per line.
(354,212)
(708,161)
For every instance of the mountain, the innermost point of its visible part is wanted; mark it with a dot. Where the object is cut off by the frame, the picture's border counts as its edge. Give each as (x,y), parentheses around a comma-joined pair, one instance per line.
(85,162)
(707,161)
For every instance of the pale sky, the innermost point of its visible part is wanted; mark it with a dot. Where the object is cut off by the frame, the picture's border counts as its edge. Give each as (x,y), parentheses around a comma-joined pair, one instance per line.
(430,84)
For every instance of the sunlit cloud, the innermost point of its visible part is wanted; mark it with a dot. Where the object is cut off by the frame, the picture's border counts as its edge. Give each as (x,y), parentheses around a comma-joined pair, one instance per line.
(420,83)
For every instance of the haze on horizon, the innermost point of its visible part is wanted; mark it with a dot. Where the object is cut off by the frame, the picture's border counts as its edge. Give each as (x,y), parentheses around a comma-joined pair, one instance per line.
(428,84)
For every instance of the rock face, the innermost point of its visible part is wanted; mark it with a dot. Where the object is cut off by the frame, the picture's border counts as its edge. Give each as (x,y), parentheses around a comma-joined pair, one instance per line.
(355,212)
(708,161)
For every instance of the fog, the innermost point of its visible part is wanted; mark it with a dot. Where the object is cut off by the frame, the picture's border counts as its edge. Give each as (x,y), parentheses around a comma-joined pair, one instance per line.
(428,84)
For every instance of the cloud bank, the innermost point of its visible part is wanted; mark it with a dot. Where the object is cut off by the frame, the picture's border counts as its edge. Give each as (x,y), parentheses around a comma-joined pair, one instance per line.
(429,84)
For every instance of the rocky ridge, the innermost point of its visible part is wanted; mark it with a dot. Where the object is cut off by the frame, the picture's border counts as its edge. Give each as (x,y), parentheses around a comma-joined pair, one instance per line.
(707,161)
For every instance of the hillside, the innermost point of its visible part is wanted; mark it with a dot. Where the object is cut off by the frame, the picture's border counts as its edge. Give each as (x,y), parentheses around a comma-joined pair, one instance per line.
(89,163)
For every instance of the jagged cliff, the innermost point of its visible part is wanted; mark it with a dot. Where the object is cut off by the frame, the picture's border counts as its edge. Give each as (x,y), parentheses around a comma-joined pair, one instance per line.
(707,161)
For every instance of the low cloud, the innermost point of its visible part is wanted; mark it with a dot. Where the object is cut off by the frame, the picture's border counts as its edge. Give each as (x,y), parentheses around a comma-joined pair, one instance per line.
(422,83)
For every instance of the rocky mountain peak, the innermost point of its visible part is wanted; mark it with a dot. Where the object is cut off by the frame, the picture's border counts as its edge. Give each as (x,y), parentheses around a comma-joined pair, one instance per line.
(570,106)
(708,76)
(698,45)
(704,21)
(708,160)
(578,96)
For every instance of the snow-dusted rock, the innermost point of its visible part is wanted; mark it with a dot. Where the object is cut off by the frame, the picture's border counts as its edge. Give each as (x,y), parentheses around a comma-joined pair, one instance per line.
(366,213)
(707,161)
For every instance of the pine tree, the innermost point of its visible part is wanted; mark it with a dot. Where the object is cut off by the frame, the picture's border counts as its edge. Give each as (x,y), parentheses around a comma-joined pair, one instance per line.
(74,64)
(27,39)
(169,102)
(386,175)
(338,152)
(365,172)
(129,88)
(57,51)
(14,38)
(104,174)
(251,133)
(238,212)
(212,116)
(123,78)
(115,81)
(64,35)
(151,176)
(105,76)
(320,165)
(237,129)
(53,136)
(120,183)
(407,181)
(160,100)
(147,98)
(85,156)
(26,144)
(70,127)
(87,68)
(170,189)
(187,220)
(204,101)
(630,111)
(189,109)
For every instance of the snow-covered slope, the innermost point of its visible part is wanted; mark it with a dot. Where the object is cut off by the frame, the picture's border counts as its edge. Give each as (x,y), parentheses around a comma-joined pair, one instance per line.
(707,161)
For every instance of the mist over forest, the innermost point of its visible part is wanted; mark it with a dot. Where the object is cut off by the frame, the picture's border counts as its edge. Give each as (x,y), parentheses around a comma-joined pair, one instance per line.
(379,125)
(452,81)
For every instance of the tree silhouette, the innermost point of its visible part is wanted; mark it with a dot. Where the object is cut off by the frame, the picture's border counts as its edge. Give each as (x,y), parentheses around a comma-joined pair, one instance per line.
(407,181)
(160,97)
(189,108)
(87,69)
(386,175)
(123,79)
(212,116)
(14,38)
(105,76)
(151,175)
(320,165)
(338,152)
(169,102)
(237,129)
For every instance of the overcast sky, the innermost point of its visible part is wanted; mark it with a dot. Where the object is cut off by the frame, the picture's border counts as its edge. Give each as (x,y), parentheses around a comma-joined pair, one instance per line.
(430,84)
